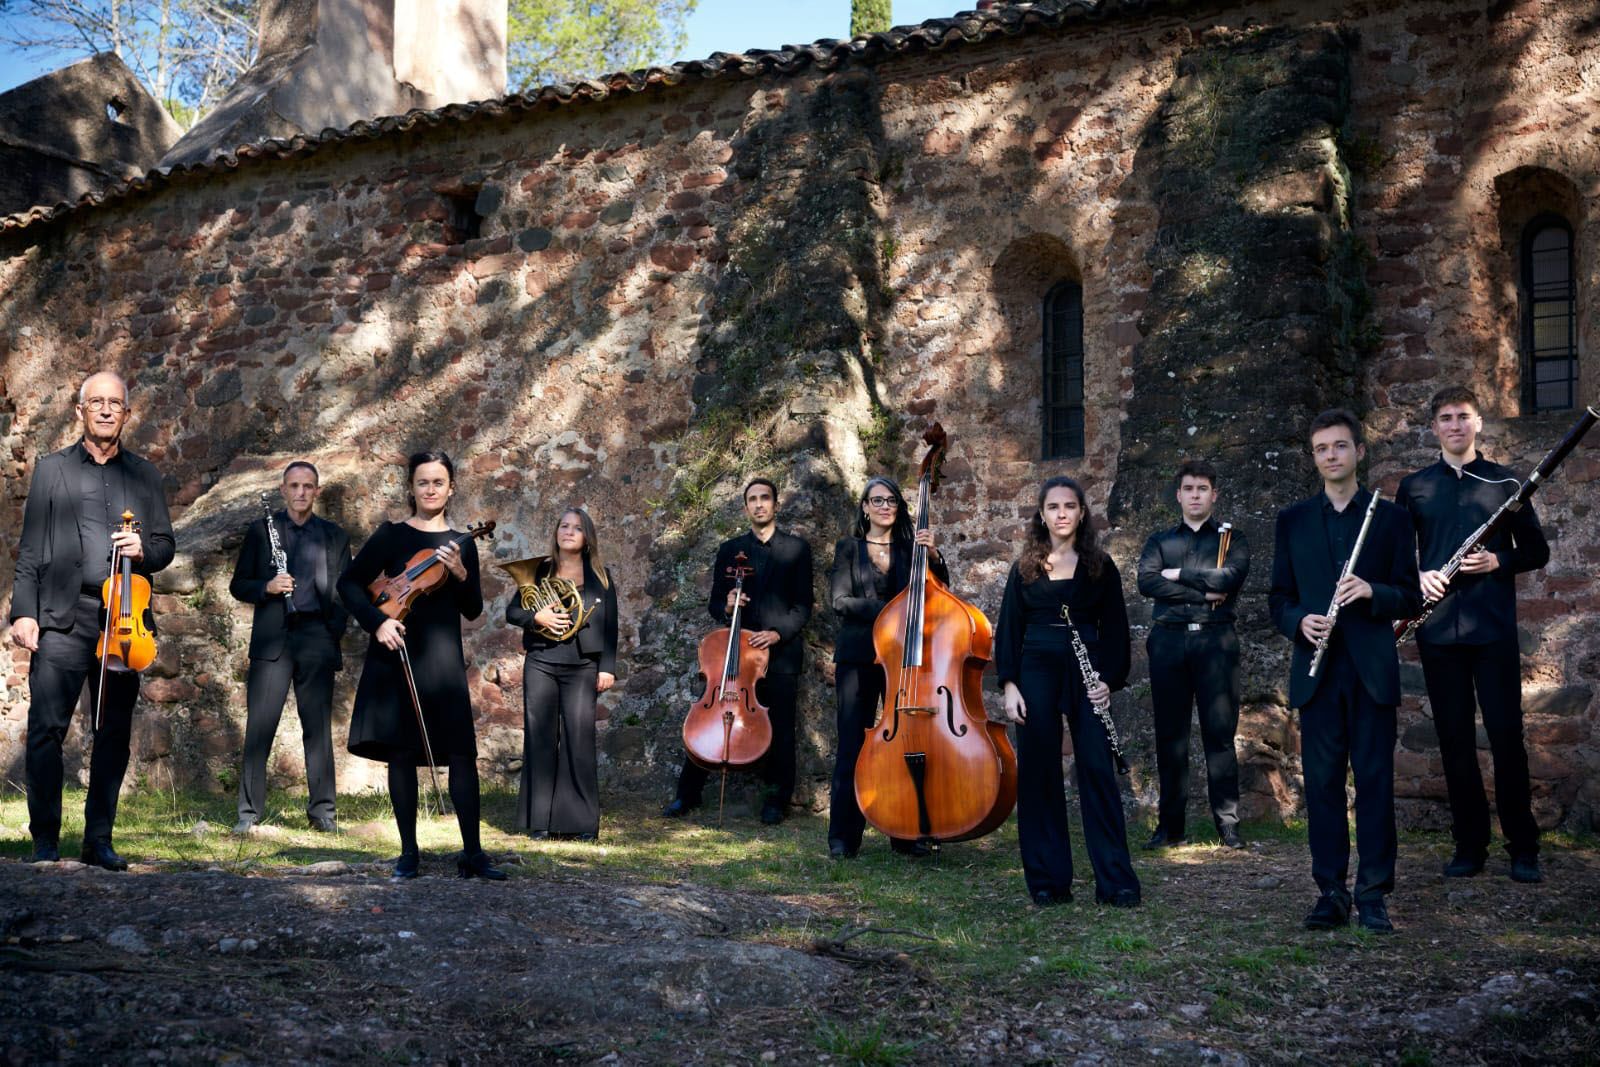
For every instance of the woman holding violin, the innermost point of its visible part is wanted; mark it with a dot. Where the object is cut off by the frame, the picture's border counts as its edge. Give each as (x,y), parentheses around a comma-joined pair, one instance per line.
(869,568)
(568,663)
(384,725)
(1064,582)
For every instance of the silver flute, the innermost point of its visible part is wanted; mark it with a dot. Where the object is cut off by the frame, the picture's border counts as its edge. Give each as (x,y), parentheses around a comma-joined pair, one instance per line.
(1091,678)
(280,558)
(1349,569)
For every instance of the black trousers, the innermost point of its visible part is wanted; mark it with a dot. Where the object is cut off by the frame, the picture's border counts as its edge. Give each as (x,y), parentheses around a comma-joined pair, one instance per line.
(1189,669)
(1052,690)
(779,692)
(309,662)
(1460,680)
(56,675)
(1343,733)
(859,689)
(560,791)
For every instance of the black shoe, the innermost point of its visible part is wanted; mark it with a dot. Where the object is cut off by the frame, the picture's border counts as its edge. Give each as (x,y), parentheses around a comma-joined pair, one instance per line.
(678,808)
(322,825)
(477,866)
(44,852)
(838,850)
(914,849)
(101,854)
(405,868)
(1122,898)
(1049,898)
(1159,839)
(1373,916)
(771,813)
(1331,911)
(1230,837)
(1464,865)
(1526,869)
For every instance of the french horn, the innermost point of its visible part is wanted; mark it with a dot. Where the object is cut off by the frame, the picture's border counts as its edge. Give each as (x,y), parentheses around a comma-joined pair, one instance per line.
(550,591)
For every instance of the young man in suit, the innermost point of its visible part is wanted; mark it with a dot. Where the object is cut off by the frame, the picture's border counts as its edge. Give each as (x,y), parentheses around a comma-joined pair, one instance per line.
(777,604)
(294,639)
(70,523)
(1347,710)
(1470,656)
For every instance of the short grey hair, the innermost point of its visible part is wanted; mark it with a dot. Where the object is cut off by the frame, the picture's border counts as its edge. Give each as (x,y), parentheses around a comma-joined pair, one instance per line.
(83,390)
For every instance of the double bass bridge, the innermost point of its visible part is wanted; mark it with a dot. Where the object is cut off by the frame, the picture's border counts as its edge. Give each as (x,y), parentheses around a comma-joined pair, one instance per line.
(931,711)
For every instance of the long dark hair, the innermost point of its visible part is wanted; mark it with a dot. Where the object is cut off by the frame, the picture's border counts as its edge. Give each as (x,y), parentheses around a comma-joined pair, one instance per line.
(417,459)
(1037,547)
(591,545)
(902,530)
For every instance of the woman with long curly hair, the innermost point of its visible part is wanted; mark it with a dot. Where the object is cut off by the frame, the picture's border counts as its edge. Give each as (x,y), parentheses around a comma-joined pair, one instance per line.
(1063,579)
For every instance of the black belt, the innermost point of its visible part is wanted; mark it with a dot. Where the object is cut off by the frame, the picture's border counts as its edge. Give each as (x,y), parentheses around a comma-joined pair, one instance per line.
(1191,627)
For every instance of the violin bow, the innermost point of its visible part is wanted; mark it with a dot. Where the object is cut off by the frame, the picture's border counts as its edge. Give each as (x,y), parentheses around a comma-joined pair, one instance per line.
(740,569)
(105,641)
(422,728)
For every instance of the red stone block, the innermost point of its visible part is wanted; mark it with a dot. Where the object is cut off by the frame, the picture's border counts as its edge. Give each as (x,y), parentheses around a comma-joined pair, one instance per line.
(376,282)
(674,257)
(579,220)
(166,325)
(705,178)
(681,201)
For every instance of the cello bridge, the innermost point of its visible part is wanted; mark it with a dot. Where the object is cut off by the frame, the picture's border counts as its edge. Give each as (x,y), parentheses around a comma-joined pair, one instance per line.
(911,709)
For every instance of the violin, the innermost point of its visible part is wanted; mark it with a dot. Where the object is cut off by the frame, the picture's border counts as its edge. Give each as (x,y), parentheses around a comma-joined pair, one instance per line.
(127,639)
(934,768)
(728,726)
(396,594)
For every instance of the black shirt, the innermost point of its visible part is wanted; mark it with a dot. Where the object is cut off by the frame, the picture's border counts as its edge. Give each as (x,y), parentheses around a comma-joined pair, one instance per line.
(1343,527)
(104,493)
(1030,615)
(779,589)
(303,544)
(1447,507)
(1194,553)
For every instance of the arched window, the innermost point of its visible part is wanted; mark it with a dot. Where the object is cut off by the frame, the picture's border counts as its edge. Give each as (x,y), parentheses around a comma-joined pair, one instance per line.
(1549,300)
(1063,371)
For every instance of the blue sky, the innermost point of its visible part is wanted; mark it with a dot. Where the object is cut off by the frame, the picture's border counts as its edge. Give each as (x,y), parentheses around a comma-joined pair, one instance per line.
(716,26)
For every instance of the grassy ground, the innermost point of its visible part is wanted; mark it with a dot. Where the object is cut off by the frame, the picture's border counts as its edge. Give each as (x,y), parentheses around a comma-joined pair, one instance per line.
(1215,956)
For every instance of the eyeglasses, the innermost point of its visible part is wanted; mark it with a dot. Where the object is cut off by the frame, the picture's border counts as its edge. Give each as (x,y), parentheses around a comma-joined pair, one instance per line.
(882,501)
(102,403)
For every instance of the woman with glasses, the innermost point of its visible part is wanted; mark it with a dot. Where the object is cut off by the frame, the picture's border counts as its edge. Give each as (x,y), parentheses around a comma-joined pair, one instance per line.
(869,568)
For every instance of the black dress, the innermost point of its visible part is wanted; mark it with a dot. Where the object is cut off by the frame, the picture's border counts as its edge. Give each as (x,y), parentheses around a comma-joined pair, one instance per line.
(384,725)
(1033,650)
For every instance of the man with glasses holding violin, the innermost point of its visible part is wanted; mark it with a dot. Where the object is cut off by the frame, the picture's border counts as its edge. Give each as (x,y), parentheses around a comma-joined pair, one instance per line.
(70,524)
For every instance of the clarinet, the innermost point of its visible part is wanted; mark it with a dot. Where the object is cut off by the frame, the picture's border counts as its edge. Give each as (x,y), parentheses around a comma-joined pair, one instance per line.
(1405,629)
(1349,569)
(1091,678)
(280,558)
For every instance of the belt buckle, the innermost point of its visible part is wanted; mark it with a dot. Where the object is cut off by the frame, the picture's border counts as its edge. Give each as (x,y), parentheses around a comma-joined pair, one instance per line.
(1194,627)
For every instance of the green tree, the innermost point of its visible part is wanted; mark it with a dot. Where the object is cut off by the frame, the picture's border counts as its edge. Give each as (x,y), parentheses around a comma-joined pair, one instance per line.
(567,40)
(870,16)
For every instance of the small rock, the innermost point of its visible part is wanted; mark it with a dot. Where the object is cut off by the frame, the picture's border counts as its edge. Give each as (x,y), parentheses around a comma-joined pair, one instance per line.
(127,939)
(1502,985)
(228,946)
(324,868)
(200,829)
(1192,1012)
(769,1056)
(1139,1007)
(1460,897)
(1268,881)
(406,935)
(249,944)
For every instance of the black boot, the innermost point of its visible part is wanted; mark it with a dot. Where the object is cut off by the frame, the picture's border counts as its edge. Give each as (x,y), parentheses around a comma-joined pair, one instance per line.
(477,866)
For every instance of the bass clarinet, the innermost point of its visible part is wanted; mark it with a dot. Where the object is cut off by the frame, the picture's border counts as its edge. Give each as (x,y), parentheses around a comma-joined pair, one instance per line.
(1349,569)
(280,558)
(1091,678)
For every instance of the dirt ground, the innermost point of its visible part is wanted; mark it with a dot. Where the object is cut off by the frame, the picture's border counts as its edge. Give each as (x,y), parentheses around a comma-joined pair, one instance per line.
(181,963)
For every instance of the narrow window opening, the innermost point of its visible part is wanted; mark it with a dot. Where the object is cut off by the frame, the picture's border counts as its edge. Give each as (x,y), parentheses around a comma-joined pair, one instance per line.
(1549,300)
(464,222)
(1063,371)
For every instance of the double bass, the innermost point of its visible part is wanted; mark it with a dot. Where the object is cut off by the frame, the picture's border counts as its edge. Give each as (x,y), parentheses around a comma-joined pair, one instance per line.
(934,768)
(729,727)
(127,641)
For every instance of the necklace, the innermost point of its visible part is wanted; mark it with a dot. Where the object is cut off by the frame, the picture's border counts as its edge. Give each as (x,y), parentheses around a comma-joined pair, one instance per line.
(870,541)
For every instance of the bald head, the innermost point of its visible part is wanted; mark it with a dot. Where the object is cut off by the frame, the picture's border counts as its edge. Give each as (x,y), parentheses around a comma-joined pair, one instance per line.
(109,380)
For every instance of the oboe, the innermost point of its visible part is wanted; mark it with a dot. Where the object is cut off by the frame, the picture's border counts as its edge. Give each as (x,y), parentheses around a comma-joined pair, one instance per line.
(280,558)
(1091,678)
(1349,569)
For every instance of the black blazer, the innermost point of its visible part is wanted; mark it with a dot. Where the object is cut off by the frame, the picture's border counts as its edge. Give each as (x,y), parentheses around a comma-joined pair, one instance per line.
(853,589)
(1304,573)
(779,591)
(50,558)
(1098,613)
(254,570)
(597,639)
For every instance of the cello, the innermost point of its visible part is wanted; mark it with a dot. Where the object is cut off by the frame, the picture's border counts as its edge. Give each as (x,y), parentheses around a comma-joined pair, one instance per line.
(729,727)
(934,768)
(127,640)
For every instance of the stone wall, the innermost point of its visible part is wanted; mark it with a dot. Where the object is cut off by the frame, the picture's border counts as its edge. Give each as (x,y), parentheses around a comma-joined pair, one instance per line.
(636,303)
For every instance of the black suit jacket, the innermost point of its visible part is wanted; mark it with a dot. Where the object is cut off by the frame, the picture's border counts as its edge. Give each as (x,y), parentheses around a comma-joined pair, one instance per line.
(853,589)
(254,570)
(50,558)
(779,591)
(596,639)
(1304,572)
